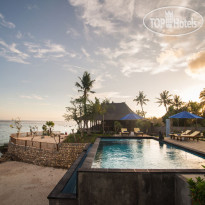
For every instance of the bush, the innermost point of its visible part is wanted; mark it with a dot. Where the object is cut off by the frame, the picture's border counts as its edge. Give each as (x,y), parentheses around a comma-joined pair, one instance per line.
(117,126)
(197,189)
(144,125)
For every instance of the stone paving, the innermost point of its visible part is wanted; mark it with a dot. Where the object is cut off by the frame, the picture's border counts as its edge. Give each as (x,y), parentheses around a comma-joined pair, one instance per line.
(194,145)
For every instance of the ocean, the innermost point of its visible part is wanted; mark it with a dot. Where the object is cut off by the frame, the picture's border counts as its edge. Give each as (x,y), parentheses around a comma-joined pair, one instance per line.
(6,130)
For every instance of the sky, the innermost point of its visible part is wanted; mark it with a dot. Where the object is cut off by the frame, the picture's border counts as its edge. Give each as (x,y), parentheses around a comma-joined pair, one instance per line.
(46,45)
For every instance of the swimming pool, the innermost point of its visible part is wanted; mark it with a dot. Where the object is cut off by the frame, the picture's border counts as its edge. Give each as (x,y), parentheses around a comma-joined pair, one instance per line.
(143,154)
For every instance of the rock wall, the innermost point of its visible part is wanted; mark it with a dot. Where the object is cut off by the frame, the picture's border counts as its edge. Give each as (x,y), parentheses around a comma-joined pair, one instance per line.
(64,158)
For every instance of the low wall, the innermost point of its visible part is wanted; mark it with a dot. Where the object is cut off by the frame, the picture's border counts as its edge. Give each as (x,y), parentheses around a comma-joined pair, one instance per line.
(63,158)
(182,191)
(125,188)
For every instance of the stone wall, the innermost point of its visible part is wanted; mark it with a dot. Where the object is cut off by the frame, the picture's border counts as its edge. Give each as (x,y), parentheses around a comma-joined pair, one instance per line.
(64,158)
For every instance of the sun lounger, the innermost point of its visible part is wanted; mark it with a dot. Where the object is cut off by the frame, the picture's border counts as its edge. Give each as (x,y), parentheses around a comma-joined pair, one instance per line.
(194,135)
(137,131)
(173,136)
(124,131)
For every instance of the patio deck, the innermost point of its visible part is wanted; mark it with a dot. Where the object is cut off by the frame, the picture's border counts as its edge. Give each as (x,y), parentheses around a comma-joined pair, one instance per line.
(190,144)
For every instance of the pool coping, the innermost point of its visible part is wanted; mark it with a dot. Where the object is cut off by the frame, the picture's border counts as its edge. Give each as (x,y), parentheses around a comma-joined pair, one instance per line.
(86,166)
(56,193)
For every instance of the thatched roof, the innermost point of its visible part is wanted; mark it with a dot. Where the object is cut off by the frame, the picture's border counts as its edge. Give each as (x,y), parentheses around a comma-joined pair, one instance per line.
(115,111)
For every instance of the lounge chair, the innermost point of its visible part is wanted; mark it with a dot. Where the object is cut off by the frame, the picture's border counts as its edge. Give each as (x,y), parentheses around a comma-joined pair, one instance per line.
(137,131)
(124,131)
(177,135)
(194,135)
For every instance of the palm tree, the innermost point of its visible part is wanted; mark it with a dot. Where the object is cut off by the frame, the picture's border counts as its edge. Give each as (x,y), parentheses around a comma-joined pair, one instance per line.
(202,97)
(85,86)
(177,102)
(141,99)
(165,99)
(50,124)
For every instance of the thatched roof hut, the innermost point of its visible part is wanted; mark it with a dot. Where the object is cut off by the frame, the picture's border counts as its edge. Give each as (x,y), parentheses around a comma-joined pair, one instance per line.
(115,111)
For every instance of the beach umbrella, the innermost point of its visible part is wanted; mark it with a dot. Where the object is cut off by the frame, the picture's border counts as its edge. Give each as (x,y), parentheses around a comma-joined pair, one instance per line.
(131,116)
(186,115)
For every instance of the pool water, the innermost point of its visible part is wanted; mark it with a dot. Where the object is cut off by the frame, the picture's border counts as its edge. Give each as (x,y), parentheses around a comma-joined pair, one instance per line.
(144,154)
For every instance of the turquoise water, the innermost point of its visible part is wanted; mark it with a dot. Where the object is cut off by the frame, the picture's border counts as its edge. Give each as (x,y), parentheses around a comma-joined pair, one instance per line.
(143,154)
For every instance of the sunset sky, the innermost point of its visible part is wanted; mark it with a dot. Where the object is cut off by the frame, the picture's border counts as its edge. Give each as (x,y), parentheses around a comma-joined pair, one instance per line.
(45,45)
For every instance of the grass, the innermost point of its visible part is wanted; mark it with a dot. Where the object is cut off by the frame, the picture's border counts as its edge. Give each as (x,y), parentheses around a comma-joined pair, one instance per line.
(85,139)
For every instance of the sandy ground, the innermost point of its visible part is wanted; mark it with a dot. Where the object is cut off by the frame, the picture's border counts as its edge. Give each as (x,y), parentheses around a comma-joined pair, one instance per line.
(23,184)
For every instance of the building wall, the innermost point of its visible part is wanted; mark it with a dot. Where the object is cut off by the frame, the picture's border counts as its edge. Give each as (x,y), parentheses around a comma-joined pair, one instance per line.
(64,158)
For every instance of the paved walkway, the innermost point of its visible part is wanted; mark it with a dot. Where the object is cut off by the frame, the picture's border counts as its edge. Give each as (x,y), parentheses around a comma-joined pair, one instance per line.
(197,146)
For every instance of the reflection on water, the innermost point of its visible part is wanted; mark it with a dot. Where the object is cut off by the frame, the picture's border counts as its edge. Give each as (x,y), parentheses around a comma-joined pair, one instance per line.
(143,154)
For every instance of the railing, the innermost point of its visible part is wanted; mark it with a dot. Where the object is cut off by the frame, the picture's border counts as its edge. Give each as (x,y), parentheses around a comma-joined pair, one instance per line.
(35,144)
(38,133)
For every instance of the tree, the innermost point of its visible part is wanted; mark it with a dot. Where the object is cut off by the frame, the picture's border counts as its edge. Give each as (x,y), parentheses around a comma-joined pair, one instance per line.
(16,124)
(177,102)
(117,126)
(75,112)
(50,125)
(85,86)
(45,129)
(165,99)
(202,98)
(101,109)
(141,99)
(194,107)
(202,95)
(140,113)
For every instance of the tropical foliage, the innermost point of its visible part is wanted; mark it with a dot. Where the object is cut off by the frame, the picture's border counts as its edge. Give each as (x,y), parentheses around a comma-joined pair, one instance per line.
(50,125)
(197,188)
(165,99)
(141,99)
(84,87)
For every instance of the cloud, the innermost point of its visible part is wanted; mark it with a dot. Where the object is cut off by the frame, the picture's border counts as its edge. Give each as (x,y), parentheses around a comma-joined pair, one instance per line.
(196,65)
(46,50)
(11,53)
(31,7)
(85,52)
(73,68)
(73,32)
(197,62)
(5,23)
(109,95)
(31,97)
(19,35)
(104,16)
(99,82)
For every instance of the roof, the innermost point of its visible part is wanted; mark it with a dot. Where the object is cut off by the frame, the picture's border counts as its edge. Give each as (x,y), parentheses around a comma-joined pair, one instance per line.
(115,111)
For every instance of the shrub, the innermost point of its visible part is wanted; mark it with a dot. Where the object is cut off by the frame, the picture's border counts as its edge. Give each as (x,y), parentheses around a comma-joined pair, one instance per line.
(117,126)
(197,188)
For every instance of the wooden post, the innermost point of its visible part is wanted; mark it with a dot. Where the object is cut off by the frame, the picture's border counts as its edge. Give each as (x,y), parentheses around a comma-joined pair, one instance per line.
(40,145)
